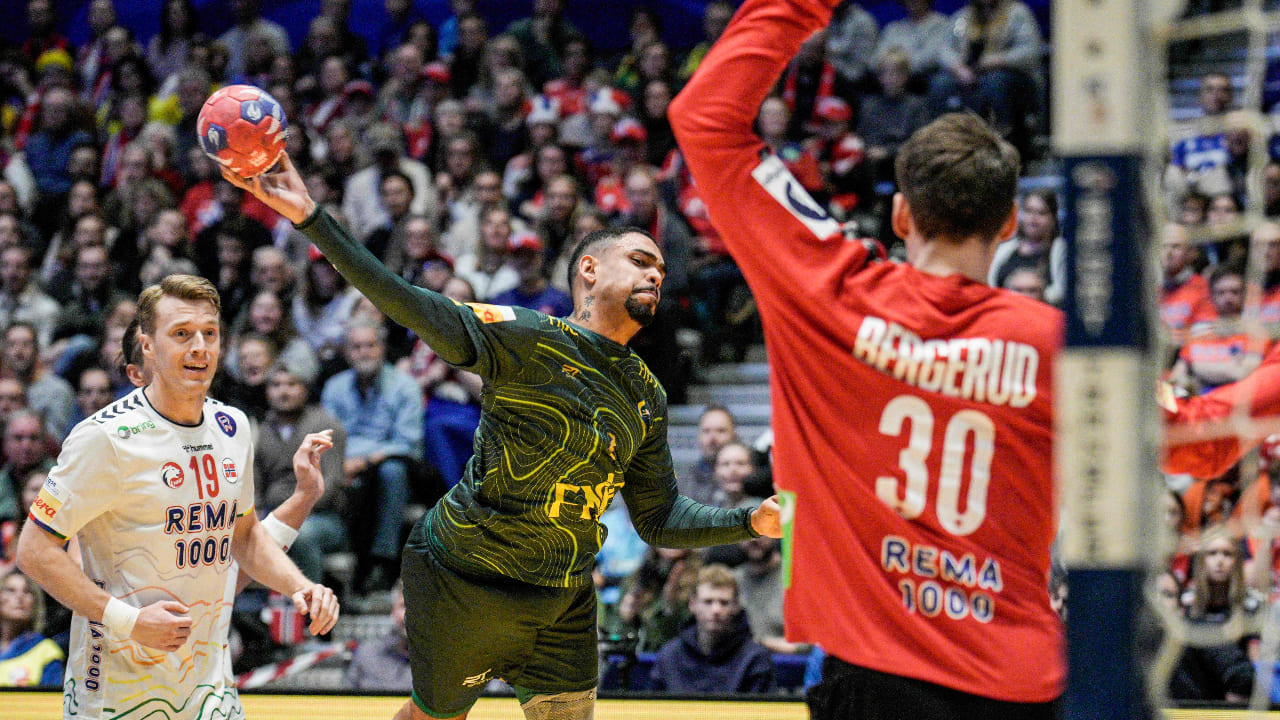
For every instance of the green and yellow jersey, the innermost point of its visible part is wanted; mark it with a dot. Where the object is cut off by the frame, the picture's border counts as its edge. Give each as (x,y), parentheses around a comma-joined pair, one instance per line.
(569,419)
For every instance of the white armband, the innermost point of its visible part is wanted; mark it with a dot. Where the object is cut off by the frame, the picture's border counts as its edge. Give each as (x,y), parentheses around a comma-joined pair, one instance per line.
(119,617)
(281,533)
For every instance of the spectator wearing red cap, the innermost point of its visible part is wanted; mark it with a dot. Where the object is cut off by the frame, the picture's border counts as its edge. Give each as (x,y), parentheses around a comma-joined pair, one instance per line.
(630,140)
(840,154)
(528,257)
(487,268)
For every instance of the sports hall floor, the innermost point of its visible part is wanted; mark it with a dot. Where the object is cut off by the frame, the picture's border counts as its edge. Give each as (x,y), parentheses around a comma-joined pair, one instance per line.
(46,706)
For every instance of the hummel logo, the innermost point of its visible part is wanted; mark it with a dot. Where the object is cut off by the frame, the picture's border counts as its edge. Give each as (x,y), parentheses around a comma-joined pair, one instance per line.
(569,370)
(476,680)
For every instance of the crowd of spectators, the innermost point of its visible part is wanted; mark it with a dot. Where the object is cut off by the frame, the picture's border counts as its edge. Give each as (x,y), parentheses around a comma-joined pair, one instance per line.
(470,159)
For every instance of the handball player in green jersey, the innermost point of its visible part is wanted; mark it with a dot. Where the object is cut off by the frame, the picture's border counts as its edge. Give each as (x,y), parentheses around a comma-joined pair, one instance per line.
(497,576)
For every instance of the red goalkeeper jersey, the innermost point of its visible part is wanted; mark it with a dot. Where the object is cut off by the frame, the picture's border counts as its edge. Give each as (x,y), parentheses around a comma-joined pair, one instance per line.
(912,413)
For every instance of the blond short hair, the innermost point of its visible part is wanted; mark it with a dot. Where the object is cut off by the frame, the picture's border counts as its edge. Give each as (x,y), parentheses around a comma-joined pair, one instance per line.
(183,287)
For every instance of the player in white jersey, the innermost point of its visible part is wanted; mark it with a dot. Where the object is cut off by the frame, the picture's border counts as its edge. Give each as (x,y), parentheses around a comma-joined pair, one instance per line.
(158,487)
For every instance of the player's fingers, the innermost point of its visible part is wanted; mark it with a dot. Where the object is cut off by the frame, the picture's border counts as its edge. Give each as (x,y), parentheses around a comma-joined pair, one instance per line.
(317,600)
(174,607)
(300,601)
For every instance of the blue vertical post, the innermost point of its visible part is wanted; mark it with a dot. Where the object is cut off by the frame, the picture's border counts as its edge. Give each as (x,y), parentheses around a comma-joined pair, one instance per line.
(1106,421)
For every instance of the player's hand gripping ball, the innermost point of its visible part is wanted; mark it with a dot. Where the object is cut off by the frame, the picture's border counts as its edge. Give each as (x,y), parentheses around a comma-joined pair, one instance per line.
(242,128)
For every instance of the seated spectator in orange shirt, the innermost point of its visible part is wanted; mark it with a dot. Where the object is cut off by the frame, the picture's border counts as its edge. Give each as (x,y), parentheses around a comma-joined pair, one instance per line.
(1184,299)
(1219,351)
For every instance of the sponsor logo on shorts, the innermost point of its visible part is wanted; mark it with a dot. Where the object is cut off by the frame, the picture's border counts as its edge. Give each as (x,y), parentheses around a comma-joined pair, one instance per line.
(477,680)
(171,474)
(226,422)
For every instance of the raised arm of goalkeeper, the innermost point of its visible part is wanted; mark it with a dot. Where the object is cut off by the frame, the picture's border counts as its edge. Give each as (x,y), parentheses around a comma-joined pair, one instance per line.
(1206,435)
(432,316)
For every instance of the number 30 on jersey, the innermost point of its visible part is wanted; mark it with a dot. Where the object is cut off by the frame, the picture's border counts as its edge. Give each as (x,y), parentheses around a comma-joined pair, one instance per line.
(909,500)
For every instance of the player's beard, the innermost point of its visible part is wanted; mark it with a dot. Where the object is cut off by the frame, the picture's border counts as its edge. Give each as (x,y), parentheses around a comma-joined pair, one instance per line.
(641,313)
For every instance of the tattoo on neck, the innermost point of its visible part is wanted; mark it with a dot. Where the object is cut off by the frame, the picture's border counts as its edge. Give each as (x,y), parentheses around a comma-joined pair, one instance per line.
(584,315)
(588,300)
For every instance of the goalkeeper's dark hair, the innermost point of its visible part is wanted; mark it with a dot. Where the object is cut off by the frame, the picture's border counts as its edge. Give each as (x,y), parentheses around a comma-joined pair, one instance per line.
(593,242)
(959,177)
(130,348)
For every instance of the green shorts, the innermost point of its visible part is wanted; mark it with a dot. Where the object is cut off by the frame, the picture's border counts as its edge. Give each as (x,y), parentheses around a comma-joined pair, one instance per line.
(464,632)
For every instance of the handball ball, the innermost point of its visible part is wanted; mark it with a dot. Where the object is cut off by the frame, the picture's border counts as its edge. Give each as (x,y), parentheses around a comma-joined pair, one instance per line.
(242,128)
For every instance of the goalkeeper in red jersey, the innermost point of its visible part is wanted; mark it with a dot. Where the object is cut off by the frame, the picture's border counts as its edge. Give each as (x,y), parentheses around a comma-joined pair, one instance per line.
(912,404)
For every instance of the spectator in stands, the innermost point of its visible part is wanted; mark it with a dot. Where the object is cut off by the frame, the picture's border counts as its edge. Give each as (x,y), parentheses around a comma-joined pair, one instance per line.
(1025,281)
(716,653)
(350,44)
(21,300)
(49,147)
(1038,245)
(90,296)
(715,18)
(508,134)
(387,239)
(644,28)
(267,316)
(451,399)
(486,267)
(47,393)
(1224,209)
(11,529)
(248,21)
(93,392)
(735,464)
(841,155)
(1219,351)
(322,306)
(1219,672)
(528,256)
(167,50)
(469,191)
(924,35)
(362,203)
(382,663)
(1271,189)
(656,601)
(27,657)
(554,223)
(42,30)
(886,119)
(473,38)
(246,389)
(760,585)
(993,66)
(290,417)
(716,428)
(271,272)
(851,43)
(26,449)
(382,411)
(1199,162)
(542,39)
(808,79)
(1184,298)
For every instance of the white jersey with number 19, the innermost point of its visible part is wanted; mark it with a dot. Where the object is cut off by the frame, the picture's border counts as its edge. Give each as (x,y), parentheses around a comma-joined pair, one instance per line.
(154,504)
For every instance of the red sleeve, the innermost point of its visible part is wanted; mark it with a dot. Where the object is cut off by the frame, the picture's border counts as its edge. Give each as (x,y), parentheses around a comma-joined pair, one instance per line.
(780,237)
(1203,442)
